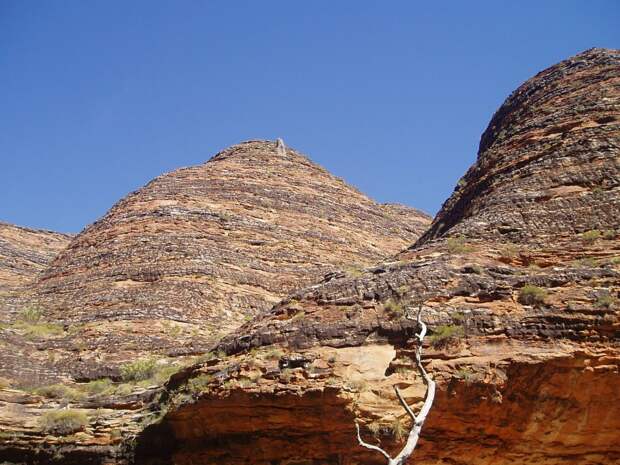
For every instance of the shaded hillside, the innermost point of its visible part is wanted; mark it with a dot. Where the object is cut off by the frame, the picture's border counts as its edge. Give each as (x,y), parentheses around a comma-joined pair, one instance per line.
(24,253)
(519,280)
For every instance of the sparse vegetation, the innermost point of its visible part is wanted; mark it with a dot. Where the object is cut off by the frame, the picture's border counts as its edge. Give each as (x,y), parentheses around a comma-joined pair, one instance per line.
(509,251)
(59,391)
(609,234)
(466,374)
(398,428)
(63,422)
(444,335)
(31,315)
(286,375)
(589,262)
(98,387)
(606,301)
(274,354)
(30,323)
(199,384)
(374,427)
(532,295)
(358,385)
(4,383)
(591,236)
(477,269)
(458,245)
(164,372)
(354,271)
(138,370)
(394,308)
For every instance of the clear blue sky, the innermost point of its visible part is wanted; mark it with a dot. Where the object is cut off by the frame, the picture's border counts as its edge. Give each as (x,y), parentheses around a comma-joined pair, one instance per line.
(99,97)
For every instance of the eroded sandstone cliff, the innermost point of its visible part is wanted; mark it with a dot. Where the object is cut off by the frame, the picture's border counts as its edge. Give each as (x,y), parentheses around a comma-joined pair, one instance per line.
(169,270)
(518,279)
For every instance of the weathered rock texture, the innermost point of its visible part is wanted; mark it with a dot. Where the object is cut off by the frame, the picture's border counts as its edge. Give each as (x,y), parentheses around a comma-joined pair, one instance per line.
(518,279)
(548,161)
(198,251)
(519,285)
(169,270)
(24,253)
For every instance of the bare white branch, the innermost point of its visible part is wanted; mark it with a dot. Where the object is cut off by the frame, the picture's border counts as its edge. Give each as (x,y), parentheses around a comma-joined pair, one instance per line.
(418,421)
(370,446)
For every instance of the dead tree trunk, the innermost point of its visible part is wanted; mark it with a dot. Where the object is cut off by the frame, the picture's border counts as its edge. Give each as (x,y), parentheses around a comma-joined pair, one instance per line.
(418,420)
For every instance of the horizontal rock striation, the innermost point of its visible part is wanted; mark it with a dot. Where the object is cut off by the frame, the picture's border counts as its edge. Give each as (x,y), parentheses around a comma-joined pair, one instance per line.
(548,162)
(24,253)
(198,251)
(519,281)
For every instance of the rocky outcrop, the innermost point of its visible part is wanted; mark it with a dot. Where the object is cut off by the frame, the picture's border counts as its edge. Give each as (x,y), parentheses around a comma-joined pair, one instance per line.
(24,253)
(165,273)
(548,161)
(518,279)
(198,251)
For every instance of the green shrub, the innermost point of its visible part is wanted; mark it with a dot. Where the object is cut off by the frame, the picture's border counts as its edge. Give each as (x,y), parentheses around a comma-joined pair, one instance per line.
(465,374)
(532,295)
(124,389)
(199,383)
(286,375)
(31,315)
(163,373)
(609,234)
(274,354)
(138,370)
(31,324)
(39,330)
(591,236)
(98,387)
(63,422)
(393,307)
(458,245)
(445,334)
(59,391)
(606,301)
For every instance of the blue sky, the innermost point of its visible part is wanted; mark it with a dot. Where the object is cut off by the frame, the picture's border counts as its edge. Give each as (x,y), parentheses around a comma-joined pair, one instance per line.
(99,97)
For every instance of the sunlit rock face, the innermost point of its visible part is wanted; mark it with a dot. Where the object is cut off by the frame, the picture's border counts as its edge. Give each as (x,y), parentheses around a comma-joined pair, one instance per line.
(518,279)
(548,161)
(163,275)
(197,252)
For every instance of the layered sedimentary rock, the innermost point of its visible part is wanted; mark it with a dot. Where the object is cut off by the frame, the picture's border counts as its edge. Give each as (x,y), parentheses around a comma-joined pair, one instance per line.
(198,251)
(24,253)
(548,161)
(518,279)
(171,268)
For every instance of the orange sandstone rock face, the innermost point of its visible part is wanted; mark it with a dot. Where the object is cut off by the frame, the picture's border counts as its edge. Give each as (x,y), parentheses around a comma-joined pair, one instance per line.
(519,281)
(169,270)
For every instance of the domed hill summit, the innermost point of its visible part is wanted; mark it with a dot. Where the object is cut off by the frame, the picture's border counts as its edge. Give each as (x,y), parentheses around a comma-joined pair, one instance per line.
(24,252)
(548,161)
(198,251)
(519,282)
